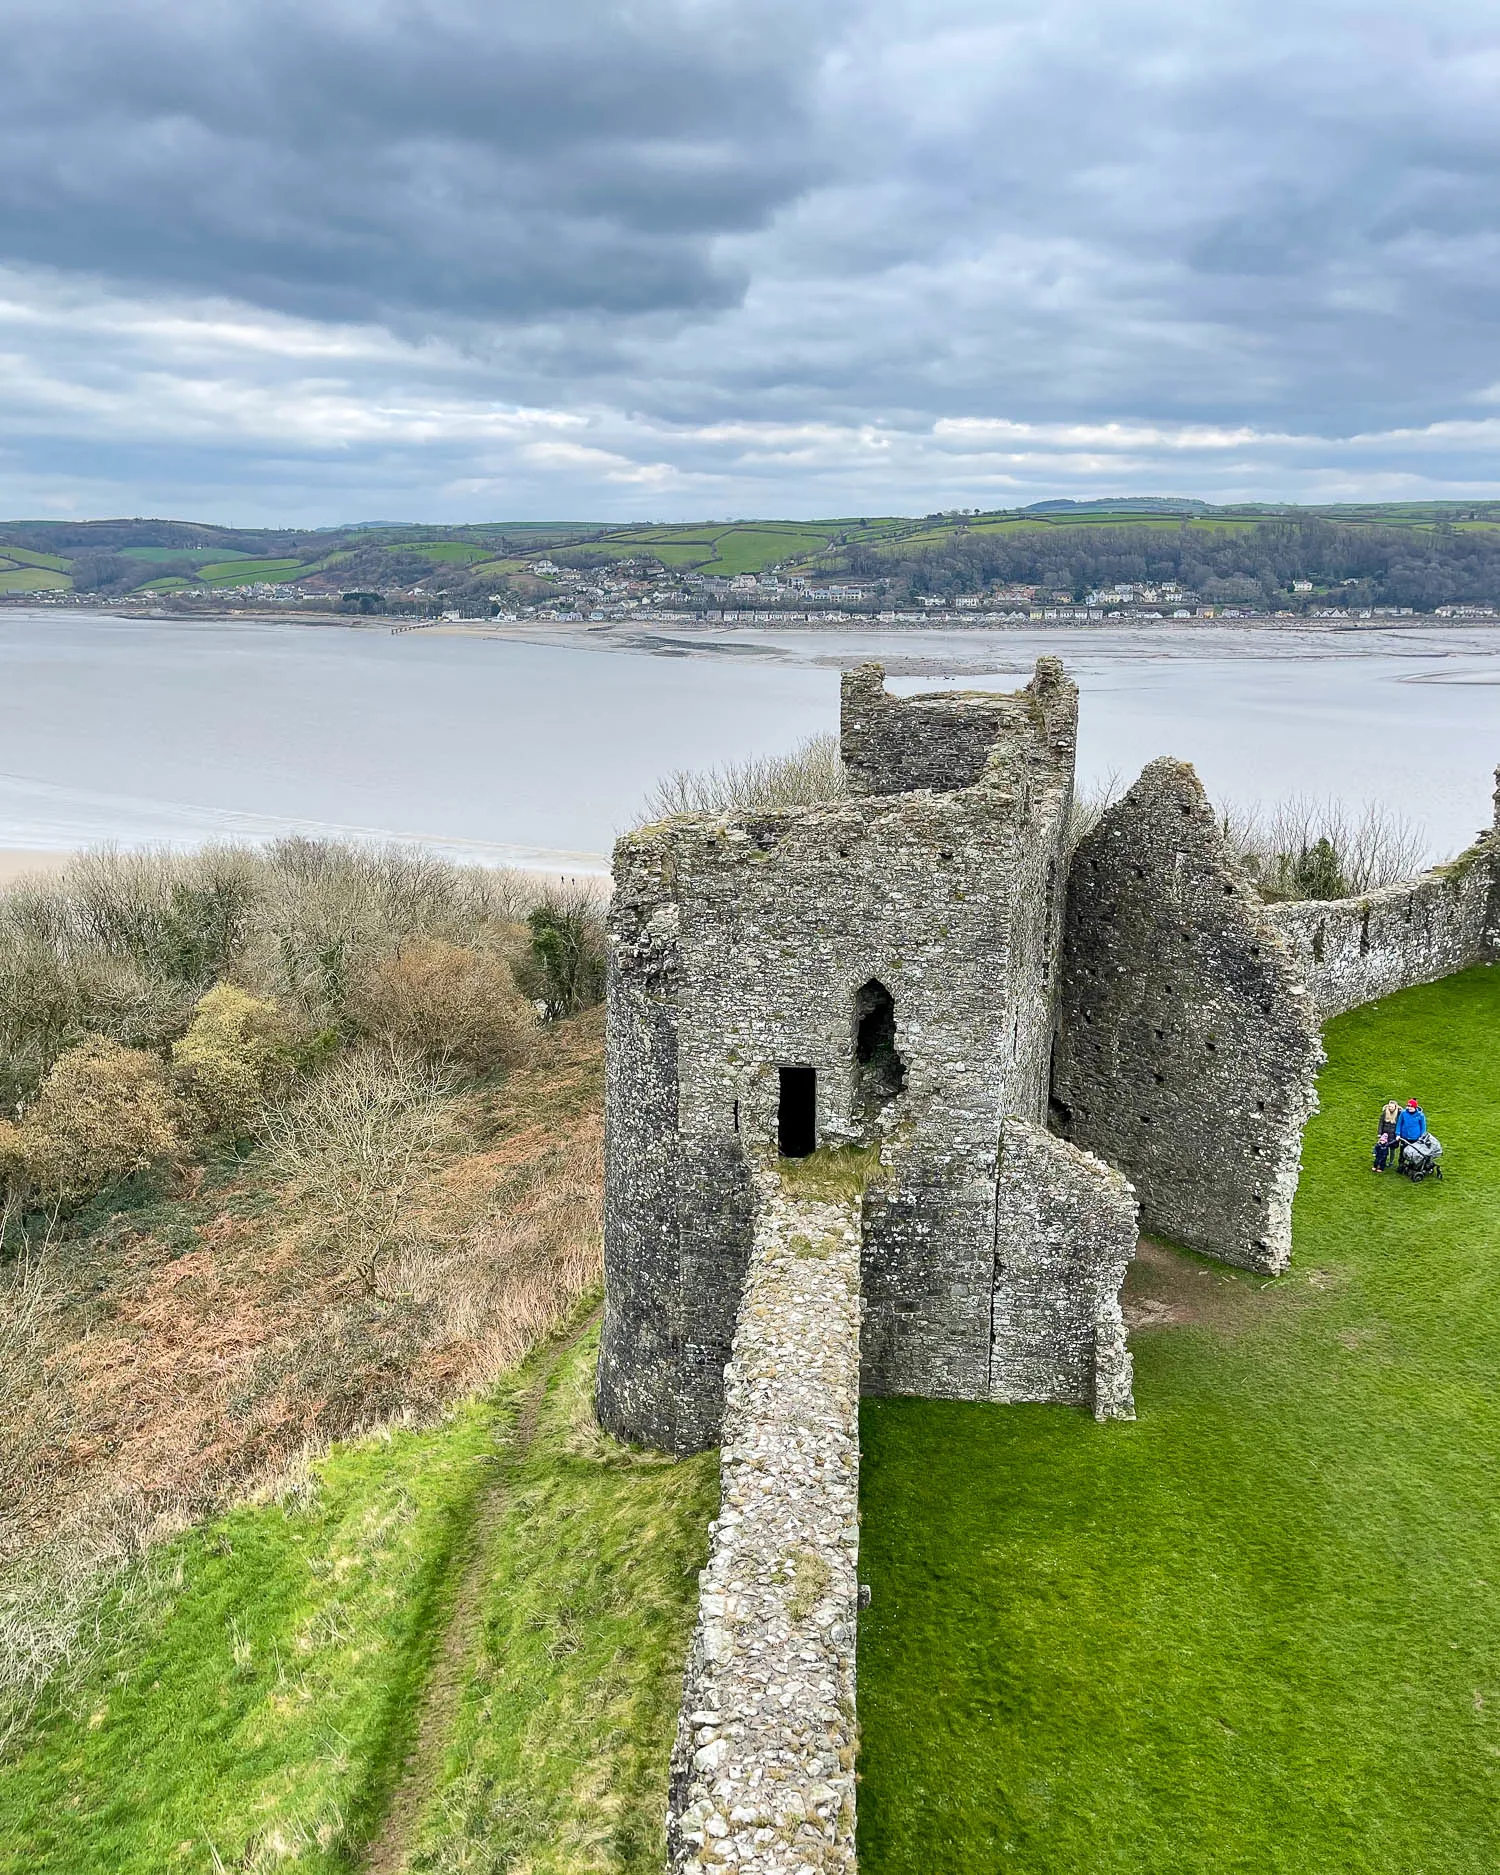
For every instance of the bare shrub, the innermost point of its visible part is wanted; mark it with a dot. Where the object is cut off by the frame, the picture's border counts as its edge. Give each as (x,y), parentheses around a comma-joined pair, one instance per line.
(355,1142)
(330,910)
(811,774)
(49,1001)
(1302,848)
(183,917)
(103,1114)
(447,1003)
(1088,809)
(238,1051)
(123,945)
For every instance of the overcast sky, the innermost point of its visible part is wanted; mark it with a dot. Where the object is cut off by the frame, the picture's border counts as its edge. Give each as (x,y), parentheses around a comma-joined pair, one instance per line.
(314,261)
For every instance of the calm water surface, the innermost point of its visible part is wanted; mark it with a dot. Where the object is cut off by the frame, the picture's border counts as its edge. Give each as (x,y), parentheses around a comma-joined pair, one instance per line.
(538,748)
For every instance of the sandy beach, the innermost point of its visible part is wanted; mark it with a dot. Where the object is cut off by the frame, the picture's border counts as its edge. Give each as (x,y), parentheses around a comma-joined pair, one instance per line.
(17,864)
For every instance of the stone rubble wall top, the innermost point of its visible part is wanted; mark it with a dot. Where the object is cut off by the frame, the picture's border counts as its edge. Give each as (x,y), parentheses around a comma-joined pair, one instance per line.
(763,1772)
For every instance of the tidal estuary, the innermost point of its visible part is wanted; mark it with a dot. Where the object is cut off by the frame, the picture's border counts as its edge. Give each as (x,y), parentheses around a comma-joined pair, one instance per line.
(536,746)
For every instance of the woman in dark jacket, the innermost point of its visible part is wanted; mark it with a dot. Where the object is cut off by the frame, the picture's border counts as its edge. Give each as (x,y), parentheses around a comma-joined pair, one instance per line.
(1385,1133)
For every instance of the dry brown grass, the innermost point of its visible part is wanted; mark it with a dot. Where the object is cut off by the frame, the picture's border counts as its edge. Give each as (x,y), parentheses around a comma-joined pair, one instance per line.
(167,1359)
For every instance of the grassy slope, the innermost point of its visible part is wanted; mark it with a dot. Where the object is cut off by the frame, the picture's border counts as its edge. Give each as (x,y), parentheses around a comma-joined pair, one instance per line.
(33,579)
(251,572)
(186,1342)
(1259,1630)
(208,555)
(260,1677)
(558,1759)
(257,1700)
(719,550)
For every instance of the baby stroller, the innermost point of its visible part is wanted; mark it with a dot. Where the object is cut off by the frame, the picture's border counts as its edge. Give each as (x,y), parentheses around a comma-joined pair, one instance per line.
(1419,1158)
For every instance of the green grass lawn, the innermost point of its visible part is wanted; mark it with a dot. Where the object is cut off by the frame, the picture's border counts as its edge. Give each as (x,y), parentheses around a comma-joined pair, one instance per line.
(1258,1630)
(259,1682)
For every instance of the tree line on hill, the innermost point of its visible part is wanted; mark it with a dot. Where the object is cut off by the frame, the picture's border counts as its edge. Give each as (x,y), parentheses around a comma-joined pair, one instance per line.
(1348,566)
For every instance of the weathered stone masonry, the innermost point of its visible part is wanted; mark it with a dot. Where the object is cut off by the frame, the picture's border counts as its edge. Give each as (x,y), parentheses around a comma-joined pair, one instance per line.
(1354,950)
(1187,1045)
(1065,1232)
(763,1771)
(897,970)
(746,950)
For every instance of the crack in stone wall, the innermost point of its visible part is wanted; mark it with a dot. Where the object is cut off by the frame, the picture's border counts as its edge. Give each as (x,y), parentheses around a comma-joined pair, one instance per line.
(1187,1046)
(763,1770)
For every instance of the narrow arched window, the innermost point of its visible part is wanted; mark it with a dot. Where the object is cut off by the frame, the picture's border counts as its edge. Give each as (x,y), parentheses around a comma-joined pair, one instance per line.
(880,1073)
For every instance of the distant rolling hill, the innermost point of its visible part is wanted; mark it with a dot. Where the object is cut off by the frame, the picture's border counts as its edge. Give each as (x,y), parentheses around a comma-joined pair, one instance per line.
(1402,554)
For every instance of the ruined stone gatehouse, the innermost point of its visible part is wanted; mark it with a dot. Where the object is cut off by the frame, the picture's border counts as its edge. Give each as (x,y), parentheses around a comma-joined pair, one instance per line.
(881,969)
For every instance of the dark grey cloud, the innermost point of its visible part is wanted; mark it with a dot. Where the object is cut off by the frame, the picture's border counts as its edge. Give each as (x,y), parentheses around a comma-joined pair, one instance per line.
(690,255)
(455,156)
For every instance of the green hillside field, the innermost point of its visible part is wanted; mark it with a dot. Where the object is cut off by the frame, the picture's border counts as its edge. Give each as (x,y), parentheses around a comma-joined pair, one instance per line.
(196,555)
(252,572)
(31,579)
(1409,554)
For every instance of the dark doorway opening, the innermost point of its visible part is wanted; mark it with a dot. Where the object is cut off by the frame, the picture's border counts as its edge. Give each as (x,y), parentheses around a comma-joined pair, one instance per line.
(880,1073)
(797,1115)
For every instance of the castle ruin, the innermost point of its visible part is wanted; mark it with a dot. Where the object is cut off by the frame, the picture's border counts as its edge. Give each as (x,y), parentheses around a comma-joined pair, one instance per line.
(1035,1044)
(879,970)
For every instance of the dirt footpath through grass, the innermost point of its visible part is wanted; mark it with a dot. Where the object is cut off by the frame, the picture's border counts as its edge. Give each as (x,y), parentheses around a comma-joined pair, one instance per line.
(420,1769)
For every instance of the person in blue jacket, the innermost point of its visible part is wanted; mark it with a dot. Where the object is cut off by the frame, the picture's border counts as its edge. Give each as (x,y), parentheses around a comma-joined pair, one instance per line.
(1411,1125)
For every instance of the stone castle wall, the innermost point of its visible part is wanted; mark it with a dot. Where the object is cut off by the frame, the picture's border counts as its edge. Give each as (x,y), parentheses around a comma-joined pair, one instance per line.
(1354,950)
(1065,1232)
(763,1771)
(1187,1045)
(739,947)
